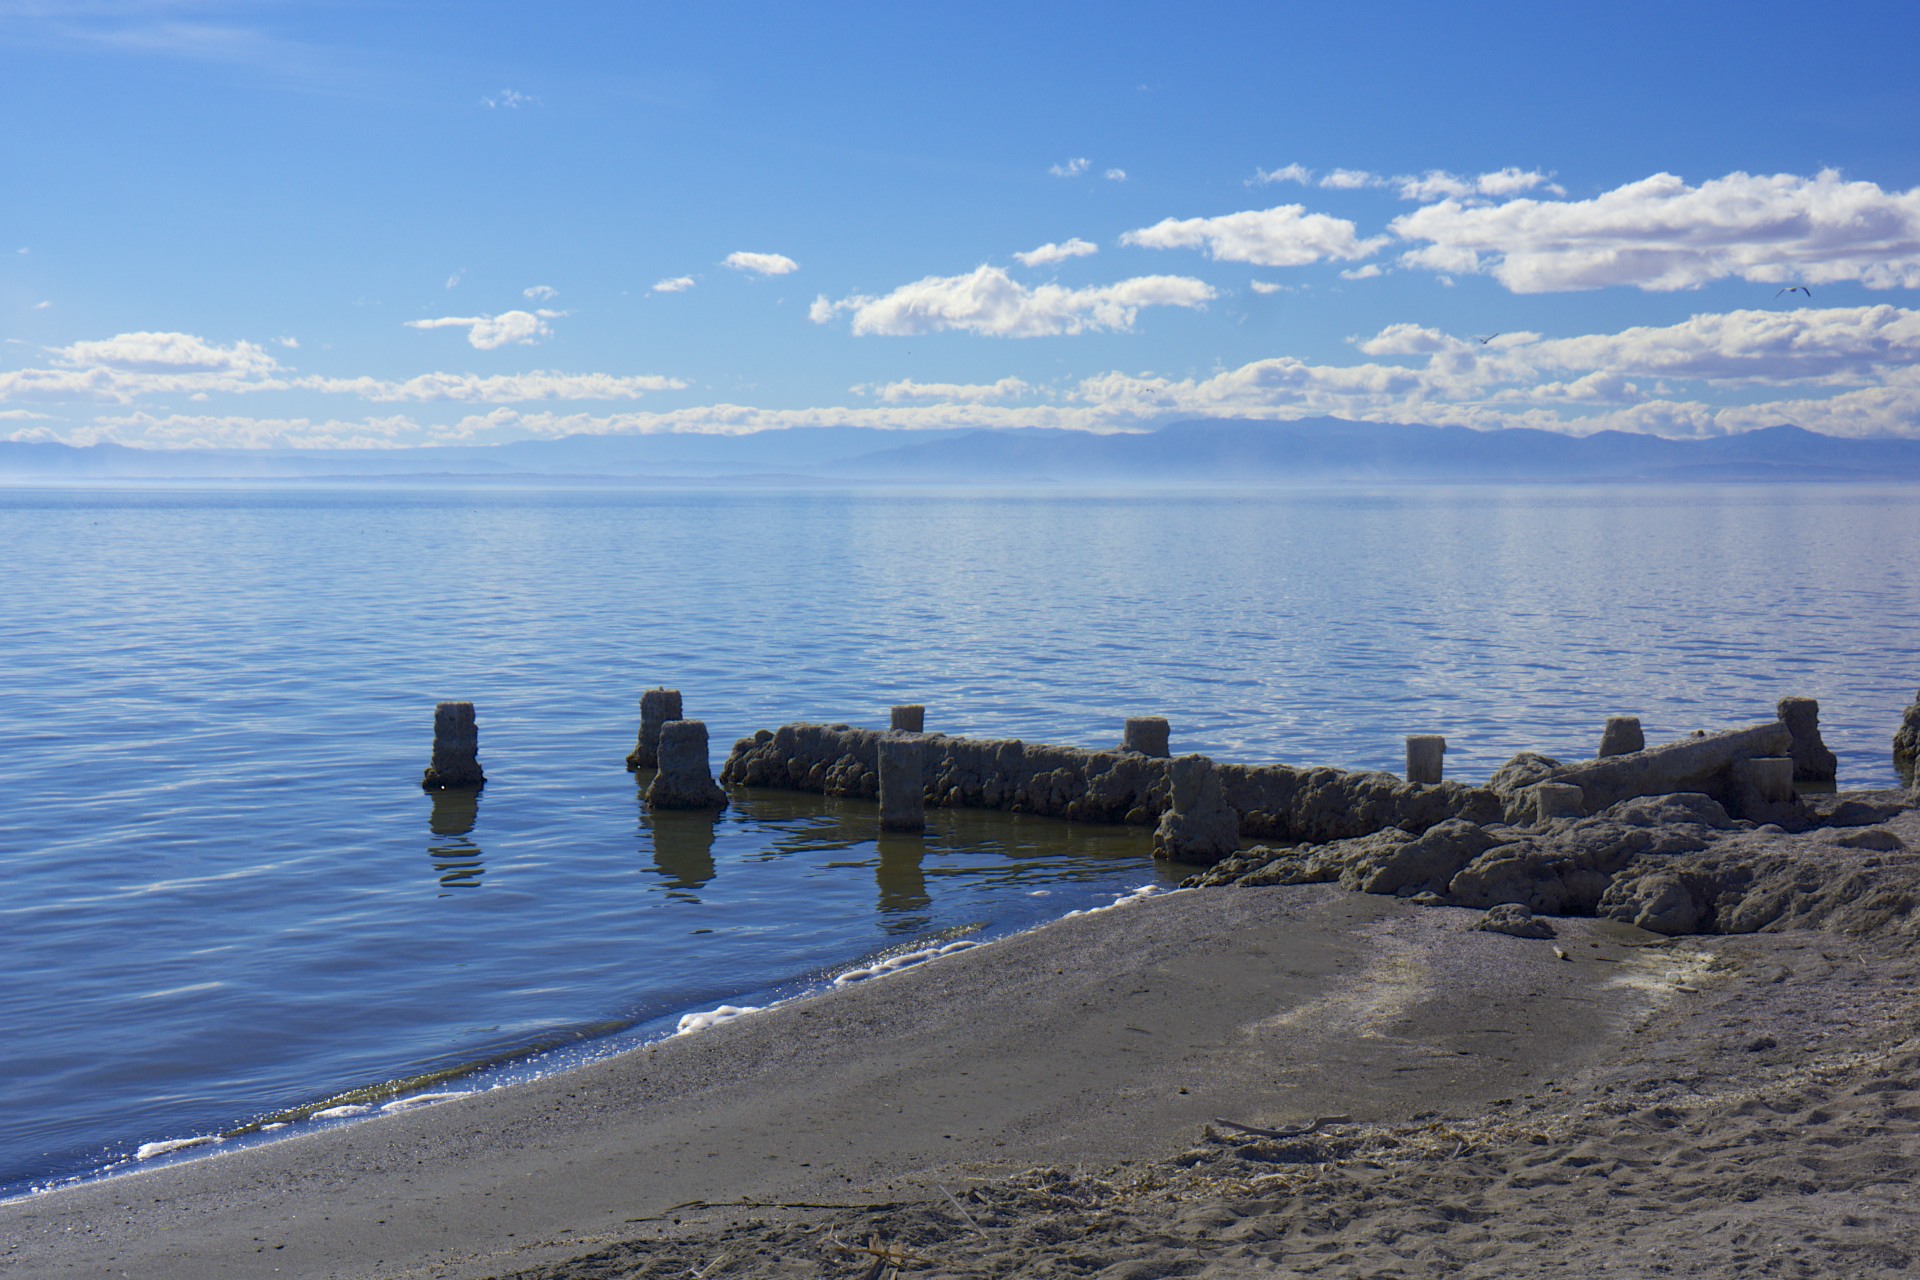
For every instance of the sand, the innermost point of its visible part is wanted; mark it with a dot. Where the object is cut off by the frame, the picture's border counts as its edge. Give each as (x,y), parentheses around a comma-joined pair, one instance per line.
(1050,1104)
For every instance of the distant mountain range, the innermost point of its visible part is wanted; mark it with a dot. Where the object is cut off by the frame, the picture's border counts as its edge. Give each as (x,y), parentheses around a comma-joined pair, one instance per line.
(1307,451)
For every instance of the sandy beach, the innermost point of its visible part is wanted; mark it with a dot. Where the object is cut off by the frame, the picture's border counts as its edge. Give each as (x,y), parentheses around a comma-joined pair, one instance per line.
(1223,1081)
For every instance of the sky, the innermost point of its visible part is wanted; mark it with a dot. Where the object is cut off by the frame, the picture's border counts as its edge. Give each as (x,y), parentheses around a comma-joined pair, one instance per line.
(349,223)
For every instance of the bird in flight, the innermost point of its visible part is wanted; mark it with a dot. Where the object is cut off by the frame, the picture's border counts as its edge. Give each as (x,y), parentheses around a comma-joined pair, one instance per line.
(1484,341)
(1797,288)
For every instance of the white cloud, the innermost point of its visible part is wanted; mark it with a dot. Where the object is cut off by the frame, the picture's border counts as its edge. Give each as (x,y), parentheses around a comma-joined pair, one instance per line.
(1071,169)
(1269,287)
(762,264)
(678,284)
(1351,180)
(1116,175)
(165,352)
(510,99)
(1367,272)
(1284,236)
(1661,234)
(453,281)
(510,388)
(950,392)
(988,301)
(540,293)
(1287,173)
(43,304)
(490,333)
(1049,254)
(1438,184)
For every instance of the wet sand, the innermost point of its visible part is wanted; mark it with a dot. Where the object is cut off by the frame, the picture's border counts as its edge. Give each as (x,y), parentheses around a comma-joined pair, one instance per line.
(1099,1047)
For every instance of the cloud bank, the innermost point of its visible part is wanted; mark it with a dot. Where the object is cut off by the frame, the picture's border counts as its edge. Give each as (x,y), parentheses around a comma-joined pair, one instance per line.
(991,303)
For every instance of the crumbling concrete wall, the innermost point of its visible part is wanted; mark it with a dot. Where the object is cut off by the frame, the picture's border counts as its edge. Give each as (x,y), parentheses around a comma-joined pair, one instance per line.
(1274,802)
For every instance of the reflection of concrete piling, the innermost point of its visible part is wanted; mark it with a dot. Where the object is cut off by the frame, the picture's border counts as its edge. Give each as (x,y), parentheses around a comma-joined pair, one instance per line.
(1622,737)
(908,719)
(685,780)
(657,706)
(903,782)
(456,748)
(1812,762)
(1425,755)
(1149,735)
(1558,800)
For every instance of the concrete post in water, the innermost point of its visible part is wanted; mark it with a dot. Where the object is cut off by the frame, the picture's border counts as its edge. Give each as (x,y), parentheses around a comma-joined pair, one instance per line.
(903,783)
(657,706)
(685,780)
(1424,758)
(1622,737)
(1198,826)
(456,748)
(1906,743)
(1558,800)
(1760,783)
(1812,762)
(908,719)
(1147,735)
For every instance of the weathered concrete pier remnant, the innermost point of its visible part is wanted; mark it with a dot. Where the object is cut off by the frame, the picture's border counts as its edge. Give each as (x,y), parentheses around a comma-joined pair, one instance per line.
(1274,802)
(902,781)
(1622,737)
(1761,784)
(1812,762)
(1198,826)
(1148,735)
(1703,764)
(456,749)
(685,779)
(907,719)
(1426,758)
(657,707)
(1906,743)
(1558,800)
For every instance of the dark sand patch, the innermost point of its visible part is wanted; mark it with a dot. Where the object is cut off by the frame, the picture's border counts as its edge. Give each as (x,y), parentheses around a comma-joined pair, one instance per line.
(1102,1039)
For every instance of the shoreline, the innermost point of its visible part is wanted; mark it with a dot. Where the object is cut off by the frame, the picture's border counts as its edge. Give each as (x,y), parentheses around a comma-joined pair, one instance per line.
(1105,1037)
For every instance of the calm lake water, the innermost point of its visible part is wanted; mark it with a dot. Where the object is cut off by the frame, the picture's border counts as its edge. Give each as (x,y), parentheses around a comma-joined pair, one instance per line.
(227,897)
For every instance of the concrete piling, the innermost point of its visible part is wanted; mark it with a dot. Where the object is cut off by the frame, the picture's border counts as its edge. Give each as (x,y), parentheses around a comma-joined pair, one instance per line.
(1621,737)
(1558,800)
(903,780)
(657,707)
(1425,754)
(1148,735)
(685,779)
(907,719)
(456,748)
(1812,762)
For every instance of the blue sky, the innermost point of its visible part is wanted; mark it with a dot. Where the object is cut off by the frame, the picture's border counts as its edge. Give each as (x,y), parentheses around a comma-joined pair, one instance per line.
(269,224)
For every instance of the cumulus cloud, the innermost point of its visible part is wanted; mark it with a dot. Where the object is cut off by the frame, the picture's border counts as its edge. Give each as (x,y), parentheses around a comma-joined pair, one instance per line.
(1351,180)
(1269,287)
(540,293)
(1287,173)
(1438,184)
(490,333)
(907,390)
(1661,234)
(165,352)
(762,264)
(1116,175)
(1367,272)
(990,302)
(1071,169)
(1283,236)
(510,388)
(678,284)
(1049,254)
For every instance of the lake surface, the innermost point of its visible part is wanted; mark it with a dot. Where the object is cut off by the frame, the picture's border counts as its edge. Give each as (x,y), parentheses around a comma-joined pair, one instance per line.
(228,902)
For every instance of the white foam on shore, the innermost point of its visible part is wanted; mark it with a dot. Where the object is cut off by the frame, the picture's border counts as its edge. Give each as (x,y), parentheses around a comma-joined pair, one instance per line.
(148,1150)
(1132,895)
(701,1021)
(426,1099)
(335,1113)
(893,964)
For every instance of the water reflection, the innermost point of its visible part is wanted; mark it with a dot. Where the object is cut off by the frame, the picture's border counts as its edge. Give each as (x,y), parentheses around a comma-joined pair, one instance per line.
(682,850)
(455,856)
(904,900)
